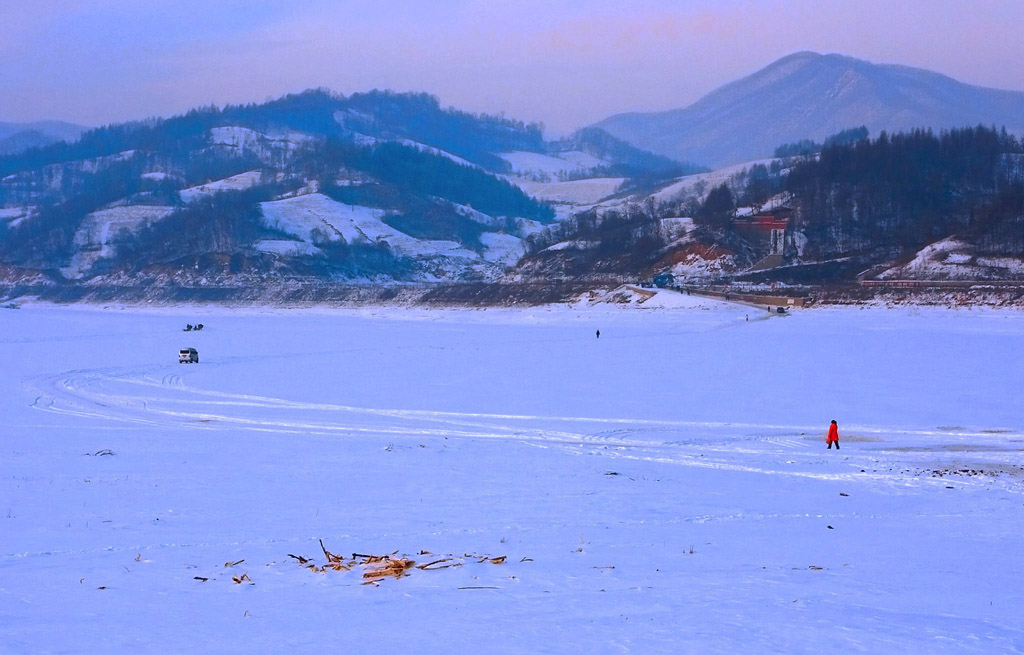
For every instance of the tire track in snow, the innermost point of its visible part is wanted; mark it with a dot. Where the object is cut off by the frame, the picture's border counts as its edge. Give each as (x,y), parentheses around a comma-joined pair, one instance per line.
(153,397)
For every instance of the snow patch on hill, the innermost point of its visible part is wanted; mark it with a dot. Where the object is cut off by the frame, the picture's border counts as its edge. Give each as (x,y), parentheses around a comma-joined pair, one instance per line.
(700,184)
(675,227)
(954,259)
(243,138)
(694,261)
(536,163)
(286,247)
(422,147)
(315,216)
(238,182)
(576,244)
(14,216)
(98,232)
(501,248)
(570,196)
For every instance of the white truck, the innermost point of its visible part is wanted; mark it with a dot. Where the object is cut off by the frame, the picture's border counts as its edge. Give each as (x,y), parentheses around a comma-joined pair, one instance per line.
(188,356)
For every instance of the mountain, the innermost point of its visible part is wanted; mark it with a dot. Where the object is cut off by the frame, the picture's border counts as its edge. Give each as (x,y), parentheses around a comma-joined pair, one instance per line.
(314,186)
(811,96)
(16,137)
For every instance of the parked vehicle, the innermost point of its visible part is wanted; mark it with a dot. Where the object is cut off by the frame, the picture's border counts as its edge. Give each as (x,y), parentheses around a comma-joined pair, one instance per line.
(664,280)
(188,356)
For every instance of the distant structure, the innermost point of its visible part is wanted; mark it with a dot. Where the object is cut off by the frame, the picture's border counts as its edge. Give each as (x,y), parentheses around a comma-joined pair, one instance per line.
(769,225)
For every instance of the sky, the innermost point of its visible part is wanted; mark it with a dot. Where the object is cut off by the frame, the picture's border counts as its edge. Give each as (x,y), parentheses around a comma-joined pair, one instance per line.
(566,63)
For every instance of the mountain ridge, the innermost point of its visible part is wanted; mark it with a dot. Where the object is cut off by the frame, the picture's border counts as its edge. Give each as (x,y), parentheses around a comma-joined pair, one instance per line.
(807,95)
(18,137)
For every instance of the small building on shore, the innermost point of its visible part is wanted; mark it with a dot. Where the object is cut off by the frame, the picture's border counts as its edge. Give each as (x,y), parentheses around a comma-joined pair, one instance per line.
(769,226)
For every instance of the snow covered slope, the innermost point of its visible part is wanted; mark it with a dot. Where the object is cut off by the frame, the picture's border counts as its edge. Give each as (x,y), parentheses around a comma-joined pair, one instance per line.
(303,215)
(955,259)
(572,195)
(662,489)
(99,230)
(238,182)
(13,216)
(536,163)
(704,182)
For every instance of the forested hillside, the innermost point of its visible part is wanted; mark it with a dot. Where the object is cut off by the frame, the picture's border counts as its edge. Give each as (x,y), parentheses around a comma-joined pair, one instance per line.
(901,192)
(377,186)
(852,205)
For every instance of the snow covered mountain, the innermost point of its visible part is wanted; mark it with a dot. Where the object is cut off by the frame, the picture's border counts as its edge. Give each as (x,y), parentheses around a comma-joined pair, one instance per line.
(811,96)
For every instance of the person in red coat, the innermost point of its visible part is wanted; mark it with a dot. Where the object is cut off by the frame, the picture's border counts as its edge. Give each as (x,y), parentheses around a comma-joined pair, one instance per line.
(833,435)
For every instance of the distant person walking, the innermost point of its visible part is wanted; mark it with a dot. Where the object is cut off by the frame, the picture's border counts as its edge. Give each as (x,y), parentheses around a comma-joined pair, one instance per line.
(598,334)
(833,435)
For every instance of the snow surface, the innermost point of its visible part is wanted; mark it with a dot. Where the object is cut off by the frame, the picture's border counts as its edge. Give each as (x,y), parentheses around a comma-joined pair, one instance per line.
(662,489)
(238,182)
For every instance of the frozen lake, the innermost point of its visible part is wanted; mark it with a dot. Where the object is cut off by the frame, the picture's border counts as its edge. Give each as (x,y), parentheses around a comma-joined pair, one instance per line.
(664,488)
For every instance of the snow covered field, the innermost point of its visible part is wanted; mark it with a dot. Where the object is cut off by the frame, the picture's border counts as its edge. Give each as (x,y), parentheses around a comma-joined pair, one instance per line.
(664,488)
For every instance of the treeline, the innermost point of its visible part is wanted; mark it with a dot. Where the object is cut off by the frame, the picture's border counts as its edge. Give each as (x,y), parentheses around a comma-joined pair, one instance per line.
(419,117)
(902,191)
(805,147)
(381,114)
